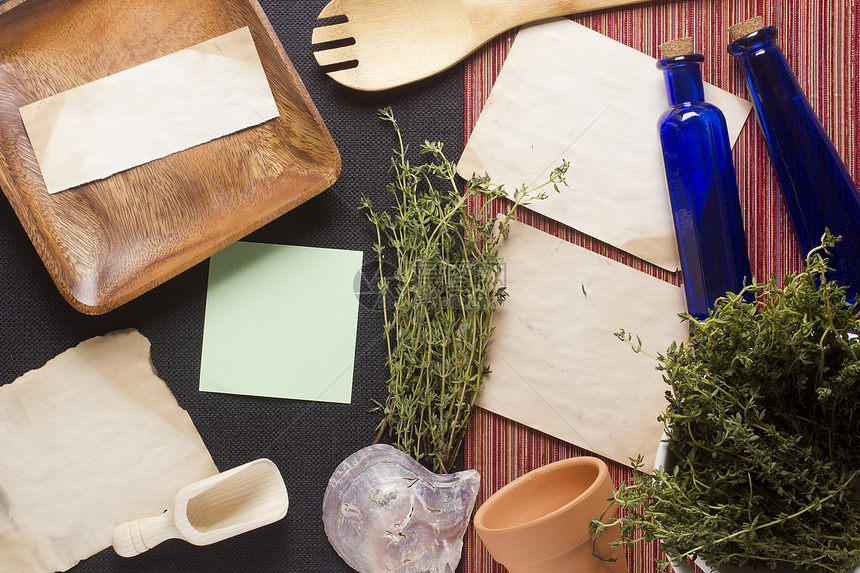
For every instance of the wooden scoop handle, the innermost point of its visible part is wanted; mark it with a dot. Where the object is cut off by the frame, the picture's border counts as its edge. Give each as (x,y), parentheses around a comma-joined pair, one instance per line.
(135,537)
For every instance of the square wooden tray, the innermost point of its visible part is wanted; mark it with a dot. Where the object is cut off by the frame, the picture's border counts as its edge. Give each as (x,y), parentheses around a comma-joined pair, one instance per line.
(109,241)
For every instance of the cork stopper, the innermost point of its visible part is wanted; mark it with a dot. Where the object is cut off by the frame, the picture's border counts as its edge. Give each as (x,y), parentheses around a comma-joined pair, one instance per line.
(746,27)
(677,47)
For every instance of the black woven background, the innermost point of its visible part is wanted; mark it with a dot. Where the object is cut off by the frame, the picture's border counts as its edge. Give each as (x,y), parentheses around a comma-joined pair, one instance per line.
(306,440)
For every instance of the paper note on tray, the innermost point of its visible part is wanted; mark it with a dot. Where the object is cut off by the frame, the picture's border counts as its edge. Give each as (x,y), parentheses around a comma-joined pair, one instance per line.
(281,322)
(567,92)
(89,441)
(178,101)
(556,363)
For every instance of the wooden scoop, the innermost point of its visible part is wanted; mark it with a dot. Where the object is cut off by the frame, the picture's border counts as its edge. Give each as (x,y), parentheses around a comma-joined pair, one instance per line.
(211,510)
(388,43)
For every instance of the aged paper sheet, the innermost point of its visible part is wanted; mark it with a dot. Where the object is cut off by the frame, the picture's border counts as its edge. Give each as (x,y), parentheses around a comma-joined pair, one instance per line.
(556,363)
(568,92)
(149,111)
(89,441)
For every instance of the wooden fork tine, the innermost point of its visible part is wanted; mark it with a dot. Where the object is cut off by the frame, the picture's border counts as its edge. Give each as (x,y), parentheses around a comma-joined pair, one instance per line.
(331,10)
(334,56)
(350,78)
(330,33)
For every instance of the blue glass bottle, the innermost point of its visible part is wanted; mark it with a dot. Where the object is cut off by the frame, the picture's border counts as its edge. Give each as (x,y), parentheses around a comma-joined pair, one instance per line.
(817,188)
(702,187)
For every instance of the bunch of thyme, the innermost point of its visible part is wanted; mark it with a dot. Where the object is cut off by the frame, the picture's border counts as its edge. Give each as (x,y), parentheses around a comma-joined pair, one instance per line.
(764,423)
(446,288)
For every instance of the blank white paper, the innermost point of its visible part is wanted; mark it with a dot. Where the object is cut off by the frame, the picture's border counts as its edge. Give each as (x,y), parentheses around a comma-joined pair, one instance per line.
(149,111)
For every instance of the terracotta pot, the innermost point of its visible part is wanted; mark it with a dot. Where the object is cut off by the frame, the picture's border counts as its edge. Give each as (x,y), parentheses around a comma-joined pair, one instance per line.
(540,521)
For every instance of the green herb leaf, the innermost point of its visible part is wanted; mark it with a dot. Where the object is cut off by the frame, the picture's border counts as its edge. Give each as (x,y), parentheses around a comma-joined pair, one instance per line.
(764,421)
(445,287)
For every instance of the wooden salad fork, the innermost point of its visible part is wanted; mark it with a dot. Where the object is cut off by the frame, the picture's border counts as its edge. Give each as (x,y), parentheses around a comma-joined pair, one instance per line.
(389,43)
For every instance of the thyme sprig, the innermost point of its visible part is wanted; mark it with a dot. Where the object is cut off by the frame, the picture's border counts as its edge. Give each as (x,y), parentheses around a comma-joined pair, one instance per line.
(764,426)
(446,286)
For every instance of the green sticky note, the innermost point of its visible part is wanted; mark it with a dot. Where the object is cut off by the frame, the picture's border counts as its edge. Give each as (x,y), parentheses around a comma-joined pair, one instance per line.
(281,322)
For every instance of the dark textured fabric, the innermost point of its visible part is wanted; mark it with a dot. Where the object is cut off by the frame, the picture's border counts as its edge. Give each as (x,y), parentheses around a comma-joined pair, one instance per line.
(306,440)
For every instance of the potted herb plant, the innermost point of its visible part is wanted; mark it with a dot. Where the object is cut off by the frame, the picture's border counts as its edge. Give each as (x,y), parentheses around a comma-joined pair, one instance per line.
(763,425)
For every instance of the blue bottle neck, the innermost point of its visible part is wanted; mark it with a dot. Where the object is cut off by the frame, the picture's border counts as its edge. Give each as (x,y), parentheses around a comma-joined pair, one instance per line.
(683,76)
(755,44)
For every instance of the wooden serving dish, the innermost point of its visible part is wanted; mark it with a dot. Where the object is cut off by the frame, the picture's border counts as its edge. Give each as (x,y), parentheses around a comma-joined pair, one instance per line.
(109,241)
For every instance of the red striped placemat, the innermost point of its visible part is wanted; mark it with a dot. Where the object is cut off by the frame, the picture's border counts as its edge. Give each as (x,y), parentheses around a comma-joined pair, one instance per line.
(822,45)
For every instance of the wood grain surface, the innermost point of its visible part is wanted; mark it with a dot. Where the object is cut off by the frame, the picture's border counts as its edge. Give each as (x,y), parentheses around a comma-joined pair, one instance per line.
(387,44)
(106,242)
